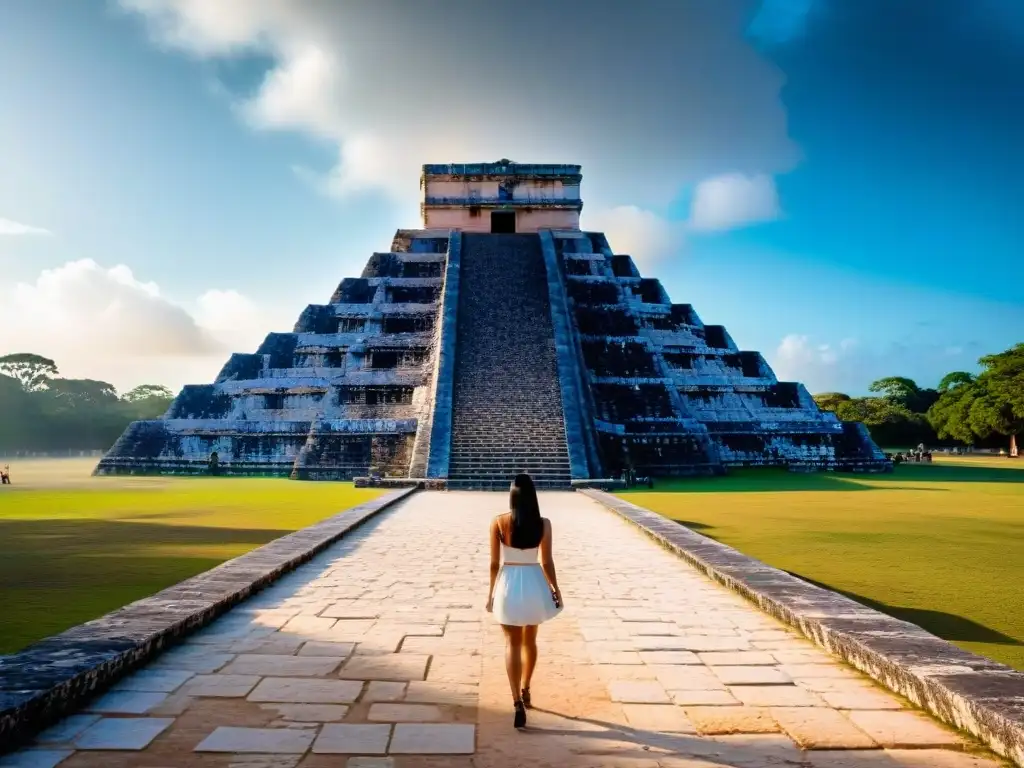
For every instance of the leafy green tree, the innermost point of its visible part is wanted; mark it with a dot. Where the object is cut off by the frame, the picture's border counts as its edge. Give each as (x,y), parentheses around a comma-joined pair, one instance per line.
(990,404)
(905,392)
(34,372)
(147,392)
(954,379)
(829,401)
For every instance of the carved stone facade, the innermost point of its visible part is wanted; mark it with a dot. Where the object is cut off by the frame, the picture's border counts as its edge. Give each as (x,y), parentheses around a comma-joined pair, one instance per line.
(391,376)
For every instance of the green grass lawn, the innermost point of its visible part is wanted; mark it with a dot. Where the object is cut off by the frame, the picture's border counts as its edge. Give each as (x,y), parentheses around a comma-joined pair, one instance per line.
(940,545)
(74,547)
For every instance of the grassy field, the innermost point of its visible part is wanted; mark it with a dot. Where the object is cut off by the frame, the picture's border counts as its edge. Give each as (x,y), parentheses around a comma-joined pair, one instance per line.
(940,545)
(73,547)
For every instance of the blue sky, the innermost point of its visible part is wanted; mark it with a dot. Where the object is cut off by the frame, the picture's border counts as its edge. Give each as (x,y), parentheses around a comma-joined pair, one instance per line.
(834,181)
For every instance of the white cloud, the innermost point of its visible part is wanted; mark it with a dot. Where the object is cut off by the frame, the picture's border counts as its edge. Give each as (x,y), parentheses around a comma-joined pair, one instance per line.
(391,90)
(734,200)
(850,366)
(104,323)
(642,234)
(8,227)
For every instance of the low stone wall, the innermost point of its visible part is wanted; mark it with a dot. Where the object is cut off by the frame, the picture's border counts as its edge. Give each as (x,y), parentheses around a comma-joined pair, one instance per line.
(423,483)
(966,691)
(55,676)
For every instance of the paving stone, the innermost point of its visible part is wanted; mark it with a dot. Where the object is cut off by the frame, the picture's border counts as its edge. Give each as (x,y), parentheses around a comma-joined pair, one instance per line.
(714,698)
(805,671)
(637,691)
(309,713)
(452,694)
(392,666)
(751,675)
(433,739)
(658,717)
(737,658)
(820,728)
(35,758)
(352,739)
(159,680)
(220,686)
(379,690)
(126,702)
(297,690)
(122,733)
(866,698)
(903,729)
(321,648)
(370,762)
(680,678)
(195,660)
(726,720)
(935,758)
(274,741)
(282,666)
(66,730)
(405,713)
(669,657)
(775,696)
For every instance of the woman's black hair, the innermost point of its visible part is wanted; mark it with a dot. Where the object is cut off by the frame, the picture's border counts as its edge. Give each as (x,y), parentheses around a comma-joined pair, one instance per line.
(527,528)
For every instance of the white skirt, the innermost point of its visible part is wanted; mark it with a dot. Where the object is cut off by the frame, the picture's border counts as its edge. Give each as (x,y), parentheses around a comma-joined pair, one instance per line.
(522,597)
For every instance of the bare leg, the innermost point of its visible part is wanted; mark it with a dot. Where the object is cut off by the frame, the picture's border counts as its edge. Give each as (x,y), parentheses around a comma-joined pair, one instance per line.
(513,658)
(529,654)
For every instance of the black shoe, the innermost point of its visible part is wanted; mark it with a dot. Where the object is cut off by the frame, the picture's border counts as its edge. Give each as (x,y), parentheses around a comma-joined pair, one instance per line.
(520,721)
(526,698)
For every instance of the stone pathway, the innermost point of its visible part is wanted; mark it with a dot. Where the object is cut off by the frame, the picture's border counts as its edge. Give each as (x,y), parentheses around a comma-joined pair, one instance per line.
(378,654)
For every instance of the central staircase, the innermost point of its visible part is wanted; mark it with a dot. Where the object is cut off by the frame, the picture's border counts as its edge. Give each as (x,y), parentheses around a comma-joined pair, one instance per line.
(507,414)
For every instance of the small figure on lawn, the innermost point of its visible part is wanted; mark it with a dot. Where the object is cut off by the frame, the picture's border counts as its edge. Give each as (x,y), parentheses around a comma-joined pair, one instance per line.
(5,475)
(214,464)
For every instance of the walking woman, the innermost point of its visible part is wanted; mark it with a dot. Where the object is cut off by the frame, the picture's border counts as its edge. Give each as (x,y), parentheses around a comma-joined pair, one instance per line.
(524,591)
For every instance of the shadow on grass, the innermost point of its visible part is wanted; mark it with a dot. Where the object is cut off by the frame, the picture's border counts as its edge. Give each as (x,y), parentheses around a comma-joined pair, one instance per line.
(948,626)
(55,574)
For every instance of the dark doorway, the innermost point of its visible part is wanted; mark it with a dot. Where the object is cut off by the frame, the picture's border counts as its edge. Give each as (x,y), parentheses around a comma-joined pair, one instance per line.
(503,222)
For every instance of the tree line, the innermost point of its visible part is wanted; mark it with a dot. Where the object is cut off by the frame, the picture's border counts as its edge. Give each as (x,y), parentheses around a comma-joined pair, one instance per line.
(981,410)
(42,412)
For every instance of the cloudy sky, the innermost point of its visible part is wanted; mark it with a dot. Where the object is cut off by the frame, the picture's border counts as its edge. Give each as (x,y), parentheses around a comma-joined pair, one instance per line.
(838,182)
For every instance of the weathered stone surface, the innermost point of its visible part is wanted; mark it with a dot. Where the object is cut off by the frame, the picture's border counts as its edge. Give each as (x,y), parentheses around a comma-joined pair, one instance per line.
(269,741)
(434,739)
(966,691)
(56,675)
(346,739)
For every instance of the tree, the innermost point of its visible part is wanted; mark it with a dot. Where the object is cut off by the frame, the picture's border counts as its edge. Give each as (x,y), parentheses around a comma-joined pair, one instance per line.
(829,401)
(954,379)
(34,372)
(147,391)
(905,392)
(990,404)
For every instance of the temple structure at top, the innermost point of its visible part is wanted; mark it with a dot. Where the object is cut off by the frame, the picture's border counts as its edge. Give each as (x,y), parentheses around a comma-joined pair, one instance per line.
(501,198)
(497,338)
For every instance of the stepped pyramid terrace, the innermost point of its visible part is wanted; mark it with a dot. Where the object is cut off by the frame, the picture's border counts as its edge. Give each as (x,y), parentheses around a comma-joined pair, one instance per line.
(497,338)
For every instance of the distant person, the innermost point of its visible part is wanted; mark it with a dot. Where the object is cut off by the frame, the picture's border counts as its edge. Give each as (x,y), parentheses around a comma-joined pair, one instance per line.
(524,592)
(5,475)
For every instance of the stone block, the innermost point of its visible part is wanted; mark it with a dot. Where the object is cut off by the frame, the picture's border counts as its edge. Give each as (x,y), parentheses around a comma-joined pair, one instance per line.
(282,666)
(433,739)
(352,739)
(903,729)
(389,666)
(658,717)
(122,733)
(638,692)
(405,713)
(221,686)
(126,702)
(265,741)
(35,758)
(295,690)
(751,675)
(712,721)
(775,696)
(821,728)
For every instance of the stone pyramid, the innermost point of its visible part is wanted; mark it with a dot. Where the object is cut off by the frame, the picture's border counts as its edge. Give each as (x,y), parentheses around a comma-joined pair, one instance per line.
(497,338)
